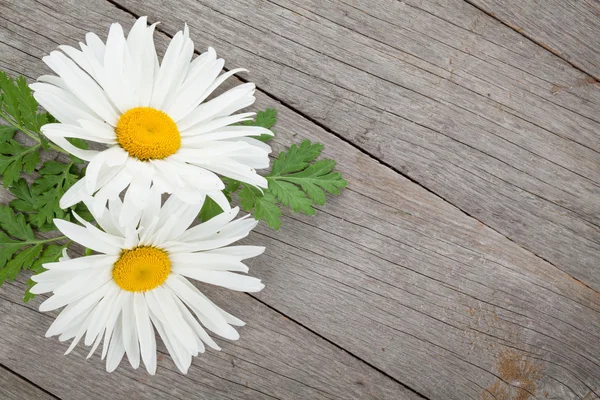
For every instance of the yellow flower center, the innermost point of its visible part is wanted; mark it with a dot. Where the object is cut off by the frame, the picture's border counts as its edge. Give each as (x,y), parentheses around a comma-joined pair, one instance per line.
(141,269)
(147,133)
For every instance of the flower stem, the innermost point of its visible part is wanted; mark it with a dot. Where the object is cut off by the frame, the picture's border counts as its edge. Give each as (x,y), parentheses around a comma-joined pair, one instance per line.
(54,239)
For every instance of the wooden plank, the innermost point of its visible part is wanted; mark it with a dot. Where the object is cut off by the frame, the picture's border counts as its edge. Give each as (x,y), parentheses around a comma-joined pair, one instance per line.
(439,91)
(13,387)
(396,275)
(275,359)
(567,28)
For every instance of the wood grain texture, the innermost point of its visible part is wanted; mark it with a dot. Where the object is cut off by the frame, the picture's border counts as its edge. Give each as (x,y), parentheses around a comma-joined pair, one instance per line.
(275,359)
(441,92)
(388,271)
(13,387)
(568,28)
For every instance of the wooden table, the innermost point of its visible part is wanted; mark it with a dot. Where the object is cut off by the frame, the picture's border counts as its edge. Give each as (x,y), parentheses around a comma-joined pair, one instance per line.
(463,260)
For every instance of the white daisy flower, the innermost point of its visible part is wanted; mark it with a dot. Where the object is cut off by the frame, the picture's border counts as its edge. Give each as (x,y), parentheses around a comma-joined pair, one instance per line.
(154,119)
(139,283)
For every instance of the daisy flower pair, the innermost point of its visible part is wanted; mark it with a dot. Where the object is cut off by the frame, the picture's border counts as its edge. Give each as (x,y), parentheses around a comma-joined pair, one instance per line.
(160,133)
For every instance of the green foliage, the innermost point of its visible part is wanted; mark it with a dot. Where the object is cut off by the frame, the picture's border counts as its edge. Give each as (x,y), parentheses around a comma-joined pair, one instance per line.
(264,205)
(40,202)
(20,249)
(15,157)
(18,106)
(36,205)
(296,181)
(266,119)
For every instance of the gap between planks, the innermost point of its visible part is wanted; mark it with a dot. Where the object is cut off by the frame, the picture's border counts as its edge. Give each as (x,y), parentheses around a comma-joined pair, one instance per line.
(373,156)
(531,39)
(33,384)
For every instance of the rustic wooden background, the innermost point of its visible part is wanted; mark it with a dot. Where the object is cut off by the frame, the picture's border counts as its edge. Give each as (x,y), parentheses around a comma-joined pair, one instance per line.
(462,262)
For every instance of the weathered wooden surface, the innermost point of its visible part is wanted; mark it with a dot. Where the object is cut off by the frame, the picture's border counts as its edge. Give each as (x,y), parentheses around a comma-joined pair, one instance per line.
(389,272)
(440,91)
(568,28)
(13,387)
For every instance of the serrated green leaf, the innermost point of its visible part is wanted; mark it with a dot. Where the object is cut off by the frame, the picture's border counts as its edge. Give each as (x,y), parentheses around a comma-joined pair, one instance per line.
(266,119)
(8,247)
(262,204)
(53,167)
(50,254)
(13,158)
(317,179)
(296,158)
(23,260)
(266,209)
(24,199)
(15,224)
(7,132)
(296,181)
(9,97)
(290,195)
(30,161)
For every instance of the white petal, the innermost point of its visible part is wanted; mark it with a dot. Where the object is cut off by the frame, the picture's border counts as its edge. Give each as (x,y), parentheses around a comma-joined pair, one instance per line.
(206,312)
(172,69)
(215,124)
(86,155)
(81,235)
(159,300)
(75,265)
(226,279)
(101,316)
(145,332)
(74,195)
(82,86)
(205,229)
(206,261)
(130,336)
(225,133)
(117,348)
(193,88)
(208,110)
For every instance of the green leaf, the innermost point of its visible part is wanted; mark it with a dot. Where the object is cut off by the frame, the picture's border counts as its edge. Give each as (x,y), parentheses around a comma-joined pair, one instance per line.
(23,260)
(14,158)
(15,224)
(296,158)
(267,210)
(263,204)
(296,181)
(8,247)
(19,248)
(266,119)
(7,132)
(45,193)
(9,97)
(80,143)
(209,209)
(290,195)
(315,180)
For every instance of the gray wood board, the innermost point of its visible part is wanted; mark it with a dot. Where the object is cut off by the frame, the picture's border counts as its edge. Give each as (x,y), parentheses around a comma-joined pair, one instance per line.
(388,271)
(438,90)
(274,359)
(13,387)
(568,28)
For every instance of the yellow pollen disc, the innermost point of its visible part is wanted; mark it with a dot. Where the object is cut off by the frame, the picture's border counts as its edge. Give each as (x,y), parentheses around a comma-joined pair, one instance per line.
(147,133)
(141,269)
